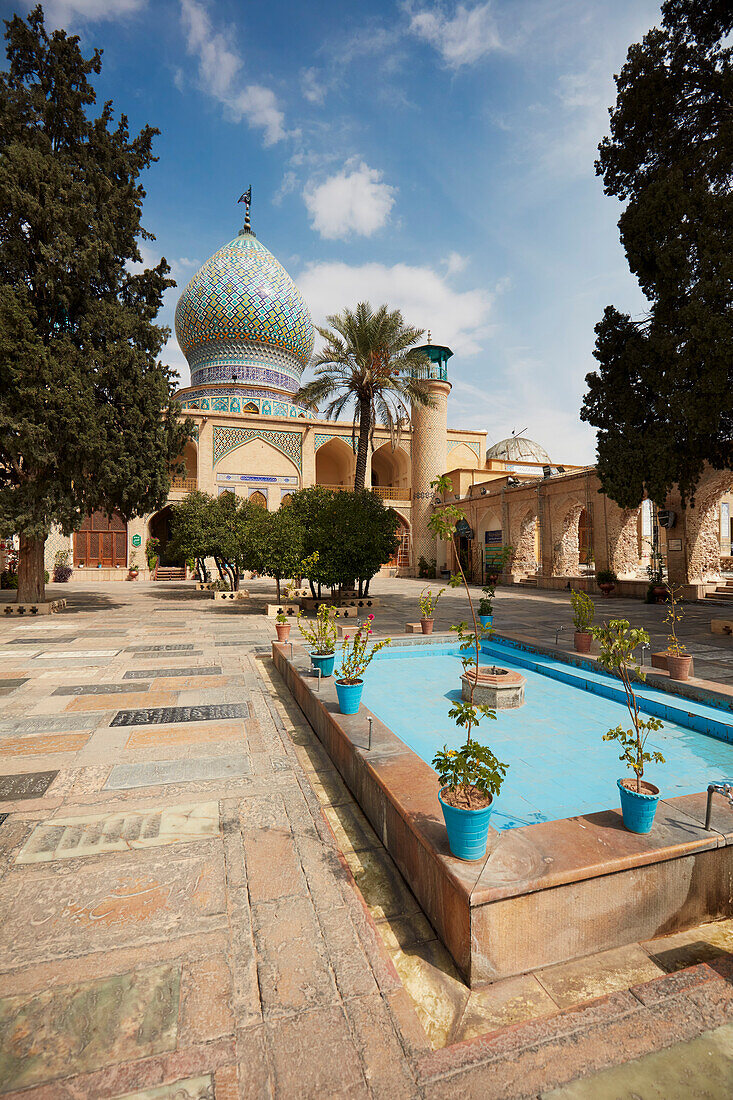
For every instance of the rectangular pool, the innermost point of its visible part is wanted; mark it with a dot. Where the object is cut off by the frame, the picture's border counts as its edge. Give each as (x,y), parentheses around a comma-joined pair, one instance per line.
(559,766)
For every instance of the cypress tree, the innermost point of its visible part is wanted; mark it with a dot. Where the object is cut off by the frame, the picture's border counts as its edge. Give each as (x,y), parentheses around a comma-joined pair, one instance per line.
(86,418)
(662,398)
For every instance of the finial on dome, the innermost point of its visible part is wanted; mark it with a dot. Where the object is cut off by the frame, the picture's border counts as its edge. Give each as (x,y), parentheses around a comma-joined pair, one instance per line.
(429,335)
(246,198)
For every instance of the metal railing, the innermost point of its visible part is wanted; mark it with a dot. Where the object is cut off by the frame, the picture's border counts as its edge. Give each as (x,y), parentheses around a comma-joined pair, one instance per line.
(385,492)
(434,370)
(187,484)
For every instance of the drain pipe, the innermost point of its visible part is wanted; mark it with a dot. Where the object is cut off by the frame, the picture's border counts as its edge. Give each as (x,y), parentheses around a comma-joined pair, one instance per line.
(726,789)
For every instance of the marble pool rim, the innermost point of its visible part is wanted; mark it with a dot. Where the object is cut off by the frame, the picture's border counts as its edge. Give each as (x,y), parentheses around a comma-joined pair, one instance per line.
(532,876)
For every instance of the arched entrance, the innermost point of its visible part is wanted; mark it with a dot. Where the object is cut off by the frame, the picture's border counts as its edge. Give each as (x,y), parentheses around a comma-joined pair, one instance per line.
(525,552)
(390,468)
(707,523)
(335,465)
(159,527)
(566,540)
(401,556)
(101,540)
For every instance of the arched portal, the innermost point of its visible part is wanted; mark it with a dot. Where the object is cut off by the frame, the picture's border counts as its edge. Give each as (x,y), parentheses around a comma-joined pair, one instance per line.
(525,545)
(335,465)
(159,527)
(258,498)
(401,556)
(707,523)
(101,540)
(286,498)
(566,540)
(390,468)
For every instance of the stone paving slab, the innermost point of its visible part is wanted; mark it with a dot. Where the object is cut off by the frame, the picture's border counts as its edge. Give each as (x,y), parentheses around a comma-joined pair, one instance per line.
(76,654)
(134,1015)
(193,1088)
(43,640)
(23,785)
(183,646)
(99,689)
(51,724)
(162,772)
(17,655)
(148,716)
(92,834)
(186,734)
(6,686)
(194,670)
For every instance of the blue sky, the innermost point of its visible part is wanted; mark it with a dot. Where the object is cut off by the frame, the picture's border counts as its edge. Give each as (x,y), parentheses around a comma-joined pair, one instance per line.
(436,156)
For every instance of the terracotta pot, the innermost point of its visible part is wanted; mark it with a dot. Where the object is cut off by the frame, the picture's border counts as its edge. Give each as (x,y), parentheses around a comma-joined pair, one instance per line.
(660,593)
(582,641)
(427,625)
(607,588)
(679,667)
(283,631)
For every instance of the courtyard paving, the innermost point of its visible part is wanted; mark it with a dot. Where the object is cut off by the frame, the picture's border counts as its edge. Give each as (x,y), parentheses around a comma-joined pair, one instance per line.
(193,905)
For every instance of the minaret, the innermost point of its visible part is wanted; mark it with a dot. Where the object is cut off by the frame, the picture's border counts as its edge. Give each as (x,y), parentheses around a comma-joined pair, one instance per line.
(429,448)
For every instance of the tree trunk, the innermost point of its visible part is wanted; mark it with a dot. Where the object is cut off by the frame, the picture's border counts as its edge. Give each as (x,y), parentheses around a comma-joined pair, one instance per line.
(277,586)
(31,569)
(365,424)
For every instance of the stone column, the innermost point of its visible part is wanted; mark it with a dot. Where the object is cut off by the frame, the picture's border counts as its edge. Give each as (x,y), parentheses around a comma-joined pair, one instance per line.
(429,449)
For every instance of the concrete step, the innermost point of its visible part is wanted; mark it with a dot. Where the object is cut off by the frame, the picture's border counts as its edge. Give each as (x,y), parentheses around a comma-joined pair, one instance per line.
(170,573)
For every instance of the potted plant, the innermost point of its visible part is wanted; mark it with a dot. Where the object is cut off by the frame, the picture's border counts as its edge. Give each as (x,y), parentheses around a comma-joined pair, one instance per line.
(639,799)
(486,605)
(132,570)
(470,777)
(282,626)
(321,637)
(497,563)
(61,568)
(606,580)
(355,658)
(428,604)
(657,592)
(678,661)
(584,611)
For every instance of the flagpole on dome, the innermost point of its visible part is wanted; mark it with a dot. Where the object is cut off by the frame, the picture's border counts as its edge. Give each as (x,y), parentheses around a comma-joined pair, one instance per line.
(246,198)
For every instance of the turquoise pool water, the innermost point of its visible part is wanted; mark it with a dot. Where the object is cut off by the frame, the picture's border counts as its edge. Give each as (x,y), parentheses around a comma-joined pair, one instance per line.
(559,766)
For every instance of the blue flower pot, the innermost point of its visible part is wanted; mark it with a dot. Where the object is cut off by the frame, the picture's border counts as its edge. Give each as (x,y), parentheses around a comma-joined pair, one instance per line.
(468,830)
(486,619)
(325,662)
(638,809)
(349,696)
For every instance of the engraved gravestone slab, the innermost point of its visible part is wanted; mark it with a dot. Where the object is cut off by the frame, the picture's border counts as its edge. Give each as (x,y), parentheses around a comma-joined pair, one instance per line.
(93,834)
(48,724)
(6,686)
(65,639)
(76,654)
(14,788)
(161,772)
(162,656)
(194,670)
(157,716)
(238,641)
(159,648)
(192,1088)
(99,689)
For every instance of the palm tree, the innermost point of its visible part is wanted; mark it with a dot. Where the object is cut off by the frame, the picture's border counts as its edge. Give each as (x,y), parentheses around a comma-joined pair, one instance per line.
(368,358)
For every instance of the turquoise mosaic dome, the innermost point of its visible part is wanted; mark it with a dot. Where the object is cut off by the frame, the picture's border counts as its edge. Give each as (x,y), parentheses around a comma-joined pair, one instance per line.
(242,317)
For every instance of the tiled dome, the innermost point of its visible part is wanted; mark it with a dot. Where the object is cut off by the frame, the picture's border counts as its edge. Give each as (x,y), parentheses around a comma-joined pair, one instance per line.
(242,310)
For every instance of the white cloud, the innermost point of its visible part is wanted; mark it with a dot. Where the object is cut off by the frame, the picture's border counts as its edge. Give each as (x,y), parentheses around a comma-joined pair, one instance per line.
(462,39)
(220,75)
(355,200)
(455,263)
(426,300)
(63,12)
(313,90)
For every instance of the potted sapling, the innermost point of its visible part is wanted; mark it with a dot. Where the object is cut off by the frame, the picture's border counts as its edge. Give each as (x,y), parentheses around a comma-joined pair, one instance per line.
(282,626)
(355,659)
(584,611)
(606,580)
(486,605)
(639,798)
(471,776)
(428,604)
(321,637)
(678,661)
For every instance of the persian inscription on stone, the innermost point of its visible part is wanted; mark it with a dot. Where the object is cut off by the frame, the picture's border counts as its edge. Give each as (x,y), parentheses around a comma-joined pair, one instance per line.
(134,1016)
(162,656)
(94,834)
(13,788)
(237,641)
(159,648)
(194,670)
(193,1088)
(66,639)
(48,724)
(160,772)
(149,716)
(99,689)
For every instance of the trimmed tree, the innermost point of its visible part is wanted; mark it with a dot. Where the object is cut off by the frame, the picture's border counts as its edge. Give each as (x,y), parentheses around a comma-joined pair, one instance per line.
(368,360)
(367,536)
(86,419)
(280,545)
(662,398)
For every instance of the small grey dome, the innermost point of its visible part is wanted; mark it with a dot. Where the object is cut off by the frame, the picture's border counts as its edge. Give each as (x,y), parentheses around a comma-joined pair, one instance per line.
(517,448)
